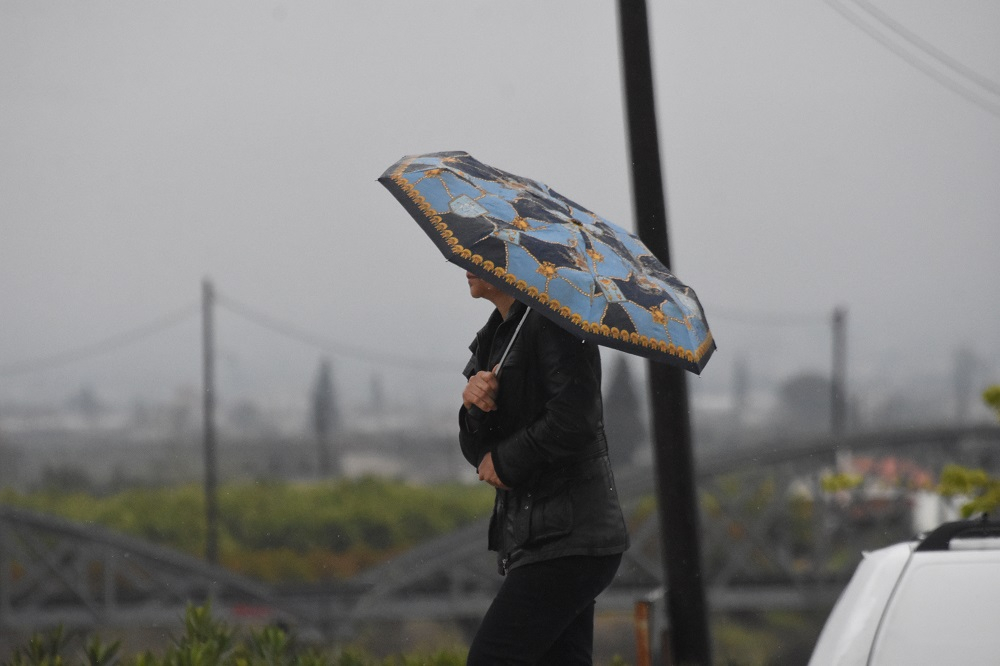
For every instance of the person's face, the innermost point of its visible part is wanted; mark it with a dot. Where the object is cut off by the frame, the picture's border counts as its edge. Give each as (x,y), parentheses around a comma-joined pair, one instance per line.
(480,288)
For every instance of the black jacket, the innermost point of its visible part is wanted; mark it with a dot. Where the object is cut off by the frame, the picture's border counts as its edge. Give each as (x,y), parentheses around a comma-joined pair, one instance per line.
(548,444)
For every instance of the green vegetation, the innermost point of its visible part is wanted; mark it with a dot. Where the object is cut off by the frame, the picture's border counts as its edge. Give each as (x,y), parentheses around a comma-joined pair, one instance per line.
(765,638)
(280,531)
(976,484)
(207,641)
(291,532)
(991,396)
(981,489)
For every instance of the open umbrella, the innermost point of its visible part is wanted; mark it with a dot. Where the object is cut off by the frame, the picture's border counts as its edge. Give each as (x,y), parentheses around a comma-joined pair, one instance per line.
(570,264)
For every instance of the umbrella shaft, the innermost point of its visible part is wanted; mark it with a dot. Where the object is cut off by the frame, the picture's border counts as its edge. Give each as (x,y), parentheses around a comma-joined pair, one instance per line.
(511,343)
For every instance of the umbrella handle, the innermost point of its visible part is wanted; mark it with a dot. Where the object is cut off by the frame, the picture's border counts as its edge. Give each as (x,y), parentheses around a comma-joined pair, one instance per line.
(474,411)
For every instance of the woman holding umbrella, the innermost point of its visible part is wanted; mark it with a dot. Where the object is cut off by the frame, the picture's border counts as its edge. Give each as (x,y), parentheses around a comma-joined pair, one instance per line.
(537,436)
(532,424)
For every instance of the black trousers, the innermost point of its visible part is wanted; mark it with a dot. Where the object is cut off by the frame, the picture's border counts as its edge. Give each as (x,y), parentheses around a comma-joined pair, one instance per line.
(544,613)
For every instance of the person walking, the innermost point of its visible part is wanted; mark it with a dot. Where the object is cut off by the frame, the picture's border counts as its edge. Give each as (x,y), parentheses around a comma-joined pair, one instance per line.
(533,430)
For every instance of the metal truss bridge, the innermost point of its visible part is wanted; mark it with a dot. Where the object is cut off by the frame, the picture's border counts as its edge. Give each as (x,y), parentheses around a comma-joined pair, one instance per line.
(776,534)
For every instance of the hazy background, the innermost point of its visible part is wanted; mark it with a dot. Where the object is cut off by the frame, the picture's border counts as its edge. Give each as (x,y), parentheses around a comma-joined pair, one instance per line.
(146,146)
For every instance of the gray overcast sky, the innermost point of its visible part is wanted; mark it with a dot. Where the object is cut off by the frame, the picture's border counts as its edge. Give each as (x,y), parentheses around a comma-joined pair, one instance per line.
(144,146)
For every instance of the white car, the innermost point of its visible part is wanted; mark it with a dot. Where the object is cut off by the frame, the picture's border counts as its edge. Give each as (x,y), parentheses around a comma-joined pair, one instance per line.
(932,601)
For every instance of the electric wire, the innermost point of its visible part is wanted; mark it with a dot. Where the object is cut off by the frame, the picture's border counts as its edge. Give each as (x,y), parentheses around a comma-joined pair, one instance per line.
(942,78)
(285,329)
(99,348)
(928,48)
(338,349)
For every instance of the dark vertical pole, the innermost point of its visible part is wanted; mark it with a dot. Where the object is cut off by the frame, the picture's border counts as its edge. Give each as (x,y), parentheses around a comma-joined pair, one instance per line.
(208,396)
(838,379)
(687,616)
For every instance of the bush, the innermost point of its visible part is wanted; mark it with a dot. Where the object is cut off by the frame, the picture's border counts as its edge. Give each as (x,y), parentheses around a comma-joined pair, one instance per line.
(207,641)
(280,532)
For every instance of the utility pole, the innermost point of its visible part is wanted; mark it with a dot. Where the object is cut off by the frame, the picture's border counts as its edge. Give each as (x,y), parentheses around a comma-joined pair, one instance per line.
(687,635)
(208,397)
(838,378)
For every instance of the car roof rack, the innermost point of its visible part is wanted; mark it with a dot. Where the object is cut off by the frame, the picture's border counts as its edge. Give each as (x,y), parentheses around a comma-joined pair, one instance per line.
(941,537)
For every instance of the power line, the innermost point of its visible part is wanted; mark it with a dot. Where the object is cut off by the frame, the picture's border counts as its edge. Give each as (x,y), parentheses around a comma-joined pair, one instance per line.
(928,48)
(942,78)
(106,346)
(339,349)
(138,334)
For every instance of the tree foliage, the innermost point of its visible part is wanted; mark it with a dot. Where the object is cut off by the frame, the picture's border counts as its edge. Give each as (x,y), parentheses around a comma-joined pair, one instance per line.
(982,489)
(804,403)
(626,429)
(325,418)
(991,396)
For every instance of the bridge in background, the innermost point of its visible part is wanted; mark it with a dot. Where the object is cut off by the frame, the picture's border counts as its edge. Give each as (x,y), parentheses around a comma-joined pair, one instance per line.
(776,535)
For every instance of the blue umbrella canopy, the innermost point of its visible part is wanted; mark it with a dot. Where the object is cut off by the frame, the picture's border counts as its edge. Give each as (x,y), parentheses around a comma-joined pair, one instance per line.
(588,275)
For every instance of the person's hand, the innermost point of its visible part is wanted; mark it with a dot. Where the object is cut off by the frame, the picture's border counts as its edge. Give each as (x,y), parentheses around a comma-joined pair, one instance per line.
(488,474)
(481,391)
